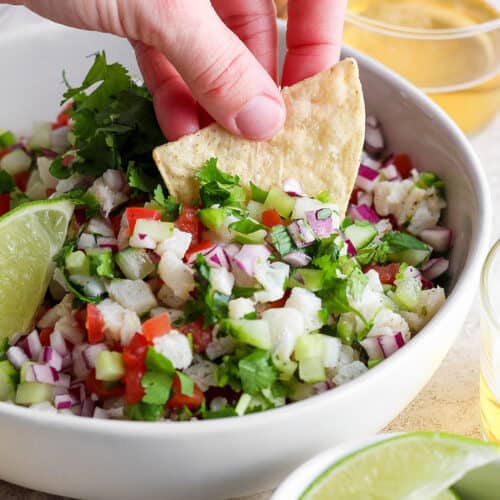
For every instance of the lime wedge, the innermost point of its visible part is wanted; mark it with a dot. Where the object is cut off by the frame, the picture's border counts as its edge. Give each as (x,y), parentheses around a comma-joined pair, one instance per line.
(410,466)
(447,495)
(30,236)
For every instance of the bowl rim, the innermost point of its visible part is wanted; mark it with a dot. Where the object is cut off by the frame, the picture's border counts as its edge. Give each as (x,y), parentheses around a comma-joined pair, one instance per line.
(470,271)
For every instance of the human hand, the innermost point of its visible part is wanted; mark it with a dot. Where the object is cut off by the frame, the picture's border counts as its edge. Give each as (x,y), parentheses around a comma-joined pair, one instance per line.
(218,56)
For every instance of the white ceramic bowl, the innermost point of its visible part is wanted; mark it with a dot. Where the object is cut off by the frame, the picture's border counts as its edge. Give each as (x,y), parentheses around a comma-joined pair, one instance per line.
(223,458)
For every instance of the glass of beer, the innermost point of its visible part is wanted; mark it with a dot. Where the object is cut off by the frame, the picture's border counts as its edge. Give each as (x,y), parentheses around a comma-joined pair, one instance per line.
(490,346)
(450,49)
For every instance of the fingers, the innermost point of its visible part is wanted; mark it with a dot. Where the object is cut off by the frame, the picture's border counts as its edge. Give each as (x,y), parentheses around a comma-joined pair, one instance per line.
(314,36)
(254,21)
(221,72)
(174,104)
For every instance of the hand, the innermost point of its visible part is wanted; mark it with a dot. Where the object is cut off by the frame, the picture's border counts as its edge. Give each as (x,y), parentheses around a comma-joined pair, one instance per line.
(221,54)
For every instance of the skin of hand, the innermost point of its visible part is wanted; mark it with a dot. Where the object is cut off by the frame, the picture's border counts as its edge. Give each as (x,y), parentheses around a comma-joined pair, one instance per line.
(219,55)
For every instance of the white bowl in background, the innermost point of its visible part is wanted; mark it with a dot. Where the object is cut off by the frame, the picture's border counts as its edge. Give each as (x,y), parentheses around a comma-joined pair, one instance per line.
(99,459)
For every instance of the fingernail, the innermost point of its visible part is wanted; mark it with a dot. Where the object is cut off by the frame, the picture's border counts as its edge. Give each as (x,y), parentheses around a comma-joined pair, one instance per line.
(260,118)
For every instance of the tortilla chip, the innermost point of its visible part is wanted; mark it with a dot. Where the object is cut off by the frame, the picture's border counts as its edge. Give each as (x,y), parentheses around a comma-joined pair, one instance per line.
(320,144)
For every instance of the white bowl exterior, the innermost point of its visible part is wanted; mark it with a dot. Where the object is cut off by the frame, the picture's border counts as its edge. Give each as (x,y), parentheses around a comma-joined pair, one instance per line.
(90,459)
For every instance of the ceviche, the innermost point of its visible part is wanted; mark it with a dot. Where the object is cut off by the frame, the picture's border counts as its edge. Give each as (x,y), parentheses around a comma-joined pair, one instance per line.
(238,303)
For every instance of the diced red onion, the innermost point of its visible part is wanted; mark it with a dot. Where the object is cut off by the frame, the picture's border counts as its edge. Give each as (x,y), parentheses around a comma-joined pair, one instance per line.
(390,172)
(34,345)
(365,199)
(114,179)
(88,407)
(49,356)
(91,352)
(63,401)
(367,178)
(216,257)
(47,375)
(320,388)
(48,153)
(232,249)
(301,233)
(16,356)
(107,242)
(80,365)
(435,268)
(372,121)
(14,339)
(100,413)
(100,226)
(297,259)
(391,343)
(78,392)
(192,257)
(58,342)
(292,187)
(248,257)
(351,249)
(367,160)
(372,347)
(374,139)
(437,237)
(362,212)
(77,410)
(144,241)
(86,241)
(66,361)
(321,222)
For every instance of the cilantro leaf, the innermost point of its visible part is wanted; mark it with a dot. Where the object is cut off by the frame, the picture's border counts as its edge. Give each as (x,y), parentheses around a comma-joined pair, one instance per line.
(427,180)
(144,412)
(169,207)
(257,193)
(257,372)
(83,198)
(187,384)
(67,248)
(156,362)
(357,283)
(157,386)
(245,292)
(245,226)
(226,411)
(209,173)
(397,242)
(7,183)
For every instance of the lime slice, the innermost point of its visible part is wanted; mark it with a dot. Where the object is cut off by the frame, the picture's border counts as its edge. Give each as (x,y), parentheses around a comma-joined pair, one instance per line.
(410,466)
(447,495)
(30,236)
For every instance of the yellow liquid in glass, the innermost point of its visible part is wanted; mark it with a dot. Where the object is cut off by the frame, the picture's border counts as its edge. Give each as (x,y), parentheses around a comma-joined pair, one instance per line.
(460,74)
(490,412)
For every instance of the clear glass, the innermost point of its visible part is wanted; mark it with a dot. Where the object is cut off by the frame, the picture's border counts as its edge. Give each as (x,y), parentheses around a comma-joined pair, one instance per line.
(489,389)
(449,49)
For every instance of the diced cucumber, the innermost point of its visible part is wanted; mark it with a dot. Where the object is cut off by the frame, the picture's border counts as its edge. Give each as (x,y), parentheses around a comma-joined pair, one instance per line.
(41,135)
(213,218)
(109,366)
(279,200)
(242,405)
(78,263)
(253,332)
(361,233)
(9,377)
(101,262)
(92,285)
(374,362)
(312,279)
(24,370)
(15,162)
(255,210)
(309,346)
(407,294)
(299,391)
(155,229)
(30,393)
(4,346)
(286,367)
(7,138)
(346,329)
(312,370)
(132,294)
(255,238)
(134,263)
(412,257)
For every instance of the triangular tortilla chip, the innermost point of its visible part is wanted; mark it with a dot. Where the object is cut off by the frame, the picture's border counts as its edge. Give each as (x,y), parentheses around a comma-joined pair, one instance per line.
(320,144)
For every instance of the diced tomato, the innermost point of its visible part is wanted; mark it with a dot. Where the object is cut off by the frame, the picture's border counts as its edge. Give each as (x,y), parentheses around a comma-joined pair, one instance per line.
(67,160)
(199,247)
(403,164)
(63,117)
(50,192)
(42,310)
(280,302)
(116,221)
(103,389)
(179,400)
(156,327)
(271,217)
(354,195)
(426,284)
(21,179)
(201,336)
(45,336)
(94,324)
(134,392)
(189,222)
(133,214)
(80,316)
(134,354)
(4,203)
(387,273)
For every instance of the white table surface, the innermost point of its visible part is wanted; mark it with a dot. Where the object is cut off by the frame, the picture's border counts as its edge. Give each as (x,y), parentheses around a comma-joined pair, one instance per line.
(450,401)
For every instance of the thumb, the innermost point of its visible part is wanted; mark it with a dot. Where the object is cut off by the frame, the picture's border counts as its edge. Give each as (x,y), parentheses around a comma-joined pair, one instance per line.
(224,77)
